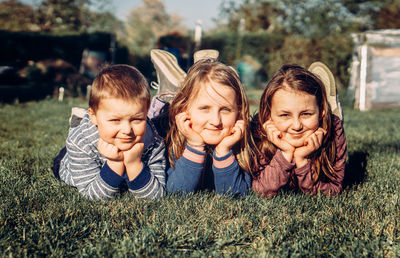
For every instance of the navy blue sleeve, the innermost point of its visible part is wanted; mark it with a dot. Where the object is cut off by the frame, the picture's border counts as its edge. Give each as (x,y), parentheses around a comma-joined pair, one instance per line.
(229,178)
(186,175)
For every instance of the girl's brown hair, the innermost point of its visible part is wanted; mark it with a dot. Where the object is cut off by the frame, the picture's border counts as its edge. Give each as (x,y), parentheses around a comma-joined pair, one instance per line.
(297,78)
(210,71)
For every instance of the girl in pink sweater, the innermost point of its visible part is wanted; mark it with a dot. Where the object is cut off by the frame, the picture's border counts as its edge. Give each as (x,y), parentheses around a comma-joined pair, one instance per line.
(301,144)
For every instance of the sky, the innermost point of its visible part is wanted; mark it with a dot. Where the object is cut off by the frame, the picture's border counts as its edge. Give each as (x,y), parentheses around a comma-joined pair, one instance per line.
(189,10)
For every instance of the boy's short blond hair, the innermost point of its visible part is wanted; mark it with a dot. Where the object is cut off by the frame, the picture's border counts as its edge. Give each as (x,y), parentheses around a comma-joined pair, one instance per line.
(119,81)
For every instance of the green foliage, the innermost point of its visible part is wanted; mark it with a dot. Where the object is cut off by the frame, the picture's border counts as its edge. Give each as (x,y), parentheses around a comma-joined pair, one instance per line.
(258,45)
(104,22)
(40,216)
(19,47)
(259,15)
(59,16)
(15,16)
(147,23)
(317,19)
(312,18)
(272,50)
(42,62)
(388,17)
(334,50)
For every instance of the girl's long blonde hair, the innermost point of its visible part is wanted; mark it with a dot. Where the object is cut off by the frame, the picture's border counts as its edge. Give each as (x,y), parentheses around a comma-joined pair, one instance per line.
(299,79)
(202,72)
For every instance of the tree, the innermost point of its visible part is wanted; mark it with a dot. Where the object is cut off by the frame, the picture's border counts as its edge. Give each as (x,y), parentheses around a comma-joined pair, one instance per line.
(389,16)
(60,16)
(259,15)
(147,23)
(313,18)
(15,16)
(104,22)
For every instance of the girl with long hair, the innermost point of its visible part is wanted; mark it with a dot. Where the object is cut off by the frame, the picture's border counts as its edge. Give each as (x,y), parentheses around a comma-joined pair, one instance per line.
(209,141)
(301,144)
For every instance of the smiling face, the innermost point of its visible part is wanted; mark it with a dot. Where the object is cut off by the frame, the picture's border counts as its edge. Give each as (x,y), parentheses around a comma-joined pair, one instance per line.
(121,123)
(295,114)
(213,112)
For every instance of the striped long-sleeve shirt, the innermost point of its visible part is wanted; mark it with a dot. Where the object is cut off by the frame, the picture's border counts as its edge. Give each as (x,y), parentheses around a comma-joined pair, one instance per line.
(86,169)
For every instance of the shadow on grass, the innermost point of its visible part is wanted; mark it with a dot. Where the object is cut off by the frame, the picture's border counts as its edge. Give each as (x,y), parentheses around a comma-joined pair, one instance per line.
(356,171)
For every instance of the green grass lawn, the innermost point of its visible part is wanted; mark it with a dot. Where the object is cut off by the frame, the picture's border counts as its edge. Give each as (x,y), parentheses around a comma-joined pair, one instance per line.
(40,216)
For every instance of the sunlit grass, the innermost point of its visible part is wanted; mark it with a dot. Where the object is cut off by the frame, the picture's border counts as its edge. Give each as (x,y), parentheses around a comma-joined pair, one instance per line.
(40,216)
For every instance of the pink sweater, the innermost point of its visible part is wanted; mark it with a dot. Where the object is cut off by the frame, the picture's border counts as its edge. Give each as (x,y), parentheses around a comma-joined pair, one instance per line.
(277,173)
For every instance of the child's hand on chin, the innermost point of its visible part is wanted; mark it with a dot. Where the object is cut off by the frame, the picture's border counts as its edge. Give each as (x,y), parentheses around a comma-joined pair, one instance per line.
(275,136)
(133,160)
(110,151)
(230,140)
(311,144)
(184,126)
(113,155)
(134,154)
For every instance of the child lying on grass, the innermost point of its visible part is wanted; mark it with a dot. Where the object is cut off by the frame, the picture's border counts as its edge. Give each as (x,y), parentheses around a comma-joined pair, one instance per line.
(115,144)
(301,141)
(208,141)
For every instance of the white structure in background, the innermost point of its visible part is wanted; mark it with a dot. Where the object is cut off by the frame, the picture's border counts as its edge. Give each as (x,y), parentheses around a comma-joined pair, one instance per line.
(88,90)
(61,94)
(375,70)
(197,34)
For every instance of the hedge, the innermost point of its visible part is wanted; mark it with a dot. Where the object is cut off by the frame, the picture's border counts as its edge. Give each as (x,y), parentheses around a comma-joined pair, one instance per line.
(18,47)
(272,50)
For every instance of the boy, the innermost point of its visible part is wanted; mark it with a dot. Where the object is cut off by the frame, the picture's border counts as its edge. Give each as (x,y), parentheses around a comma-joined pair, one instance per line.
(115,142)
